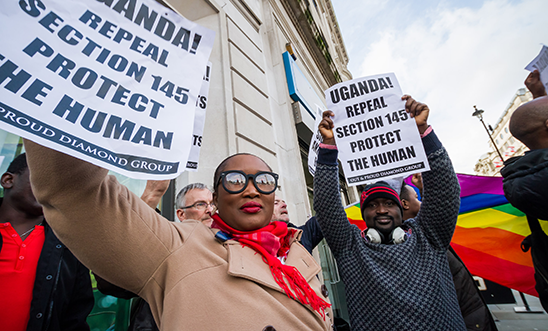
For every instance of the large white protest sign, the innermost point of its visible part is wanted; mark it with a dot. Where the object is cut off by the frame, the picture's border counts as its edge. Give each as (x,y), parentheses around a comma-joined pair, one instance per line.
(199,122)
(375,136)
(112,82)
(540,63)
(315,142)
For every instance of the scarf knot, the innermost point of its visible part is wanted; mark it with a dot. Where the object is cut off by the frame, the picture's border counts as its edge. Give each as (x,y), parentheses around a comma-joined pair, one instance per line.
(272,242)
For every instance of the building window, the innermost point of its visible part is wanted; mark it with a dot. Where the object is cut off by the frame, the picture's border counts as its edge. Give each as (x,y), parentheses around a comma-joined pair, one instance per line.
(511,140)
(501,136)
(506,129)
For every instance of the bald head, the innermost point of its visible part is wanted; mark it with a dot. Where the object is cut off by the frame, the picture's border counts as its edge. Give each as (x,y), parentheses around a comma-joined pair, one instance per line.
(529,123)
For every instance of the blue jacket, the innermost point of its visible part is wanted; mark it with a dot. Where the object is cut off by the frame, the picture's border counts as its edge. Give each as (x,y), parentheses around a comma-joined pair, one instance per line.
(312,233)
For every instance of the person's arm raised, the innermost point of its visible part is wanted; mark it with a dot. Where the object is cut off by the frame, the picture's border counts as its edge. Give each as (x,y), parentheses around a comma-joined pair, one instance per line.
(417,110)
(108,228)
(441,190)
(327,200)
(326,128)
(416,180)
(154,191)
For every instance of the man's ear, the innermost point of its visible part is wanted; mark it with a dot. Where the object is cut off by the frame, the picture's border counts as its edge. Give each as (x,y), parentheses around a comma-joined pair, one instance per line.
(546,124)
(7,180)
(180,214)
(405,204)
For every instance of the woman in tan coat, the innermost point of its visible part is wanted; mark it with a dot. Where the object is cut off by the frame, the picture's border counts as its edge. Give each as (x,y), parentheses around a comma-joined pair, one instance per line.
(251,276)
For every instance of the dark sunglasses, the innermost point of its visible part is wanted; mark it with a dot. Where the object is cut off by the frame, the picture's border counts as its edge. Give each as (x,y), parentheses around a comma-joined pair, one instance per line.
(235,181)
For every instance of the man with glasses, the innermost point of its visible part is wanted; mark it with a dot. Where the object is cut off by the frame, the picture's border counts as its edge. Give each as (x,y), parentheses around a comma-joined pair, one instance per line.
(194,202)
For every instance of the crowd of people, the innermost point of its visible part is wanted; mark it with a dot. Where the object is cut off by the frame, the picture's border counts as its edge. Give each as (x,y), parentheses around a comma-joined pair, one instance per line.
(232,259)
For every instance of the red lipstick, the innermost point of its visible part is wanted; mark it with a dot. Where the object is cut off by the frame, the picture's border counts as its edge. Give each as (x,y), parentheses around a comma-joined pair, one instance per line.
(251,207)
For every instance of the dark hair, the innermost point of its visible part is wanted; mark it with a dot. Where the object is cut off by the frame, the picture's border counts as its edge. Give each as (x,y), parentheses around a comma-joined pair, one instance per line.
(404,193)
(221,167)
(18,165)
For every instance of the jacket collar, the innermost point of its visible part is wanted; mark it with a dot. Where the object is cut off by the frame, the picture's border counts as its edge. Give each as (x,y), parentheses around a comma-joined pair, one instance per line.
(519,166)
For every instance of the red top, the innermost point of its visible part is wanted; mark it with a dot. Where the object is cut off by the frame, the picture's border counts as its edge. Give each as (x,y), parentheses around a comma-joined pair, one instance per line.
(18,262)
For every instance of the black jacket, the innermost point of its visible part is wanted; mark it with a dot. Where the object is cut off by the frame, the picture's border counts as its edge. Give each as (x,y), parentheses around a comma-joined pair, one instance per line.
(62,297)
(472,306)
(312,233)
(525,187)
(524,182)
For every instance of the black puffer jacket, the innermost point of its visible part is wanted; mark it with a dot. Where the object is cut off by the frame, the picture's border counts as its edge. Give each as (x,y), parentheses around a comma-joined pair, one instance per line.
(472,306)
(525,187)
(525,182)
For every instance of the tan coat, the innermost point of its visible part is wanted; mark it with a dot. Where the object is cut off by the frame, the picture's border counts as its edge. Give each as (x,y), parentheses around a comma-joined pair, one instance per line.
(191,280)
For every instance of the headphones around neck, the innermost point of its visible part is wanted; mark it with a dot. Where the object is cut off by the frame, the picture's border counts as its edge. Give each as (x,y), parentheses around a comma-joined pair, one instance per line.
(397,236)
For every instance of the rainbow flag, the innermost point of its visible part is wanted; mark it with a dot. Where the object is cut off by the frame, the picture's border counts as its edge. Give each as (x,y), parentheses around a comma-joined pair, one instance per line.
(354,214)
(488,235)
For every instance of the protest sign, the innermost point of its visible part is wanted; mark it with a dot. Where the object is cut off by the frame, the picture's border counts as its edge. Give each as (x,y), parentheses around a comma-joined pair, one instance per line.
(199,122)
(315,142)
(540,63)
(112,82)
(375,136)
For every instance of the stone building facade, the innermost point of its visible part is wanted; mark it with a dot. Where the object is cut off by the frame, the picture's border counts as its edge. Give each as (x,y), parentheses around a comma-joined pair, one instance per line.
(250,108)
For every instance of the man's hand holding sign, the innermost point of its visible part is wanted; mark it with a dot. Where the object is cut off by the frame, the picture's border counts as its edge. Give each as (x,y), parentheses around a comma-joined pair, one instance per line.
(537,81)
(417,110)
(373,129)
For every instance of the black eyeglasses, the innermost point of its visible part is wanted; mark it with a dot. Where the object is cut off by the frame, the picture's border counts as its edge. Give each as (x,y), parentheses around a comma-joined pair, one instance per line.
(235,181)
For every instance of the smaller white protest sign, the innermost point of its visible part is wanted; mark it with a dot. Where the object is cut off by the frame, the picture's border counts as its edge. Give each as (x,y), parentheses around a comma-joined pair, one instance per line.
(199,122)
(540,63)
(315,142)
(375,136)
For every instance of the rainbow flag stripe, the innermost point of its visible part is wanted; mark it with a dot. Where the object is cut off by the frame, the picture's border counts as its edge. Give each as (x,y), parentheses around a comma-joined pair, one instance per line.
(488,235)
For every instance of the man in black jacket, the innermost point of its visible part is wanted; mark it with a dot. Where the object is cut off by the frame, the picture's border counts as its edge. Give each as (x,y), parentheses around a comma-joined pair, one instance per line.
(47,287)
(525,177)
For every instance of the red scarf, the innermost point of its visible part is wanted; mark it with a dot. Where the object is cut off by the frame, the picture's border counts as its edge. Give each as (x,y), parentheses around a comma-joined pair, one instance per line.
(271,242)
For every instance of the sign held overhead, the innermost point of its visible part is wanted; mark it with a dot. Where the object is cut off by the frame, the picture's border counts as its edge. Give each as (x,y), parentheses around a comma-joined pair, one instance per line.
(375,136)
(114,83)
